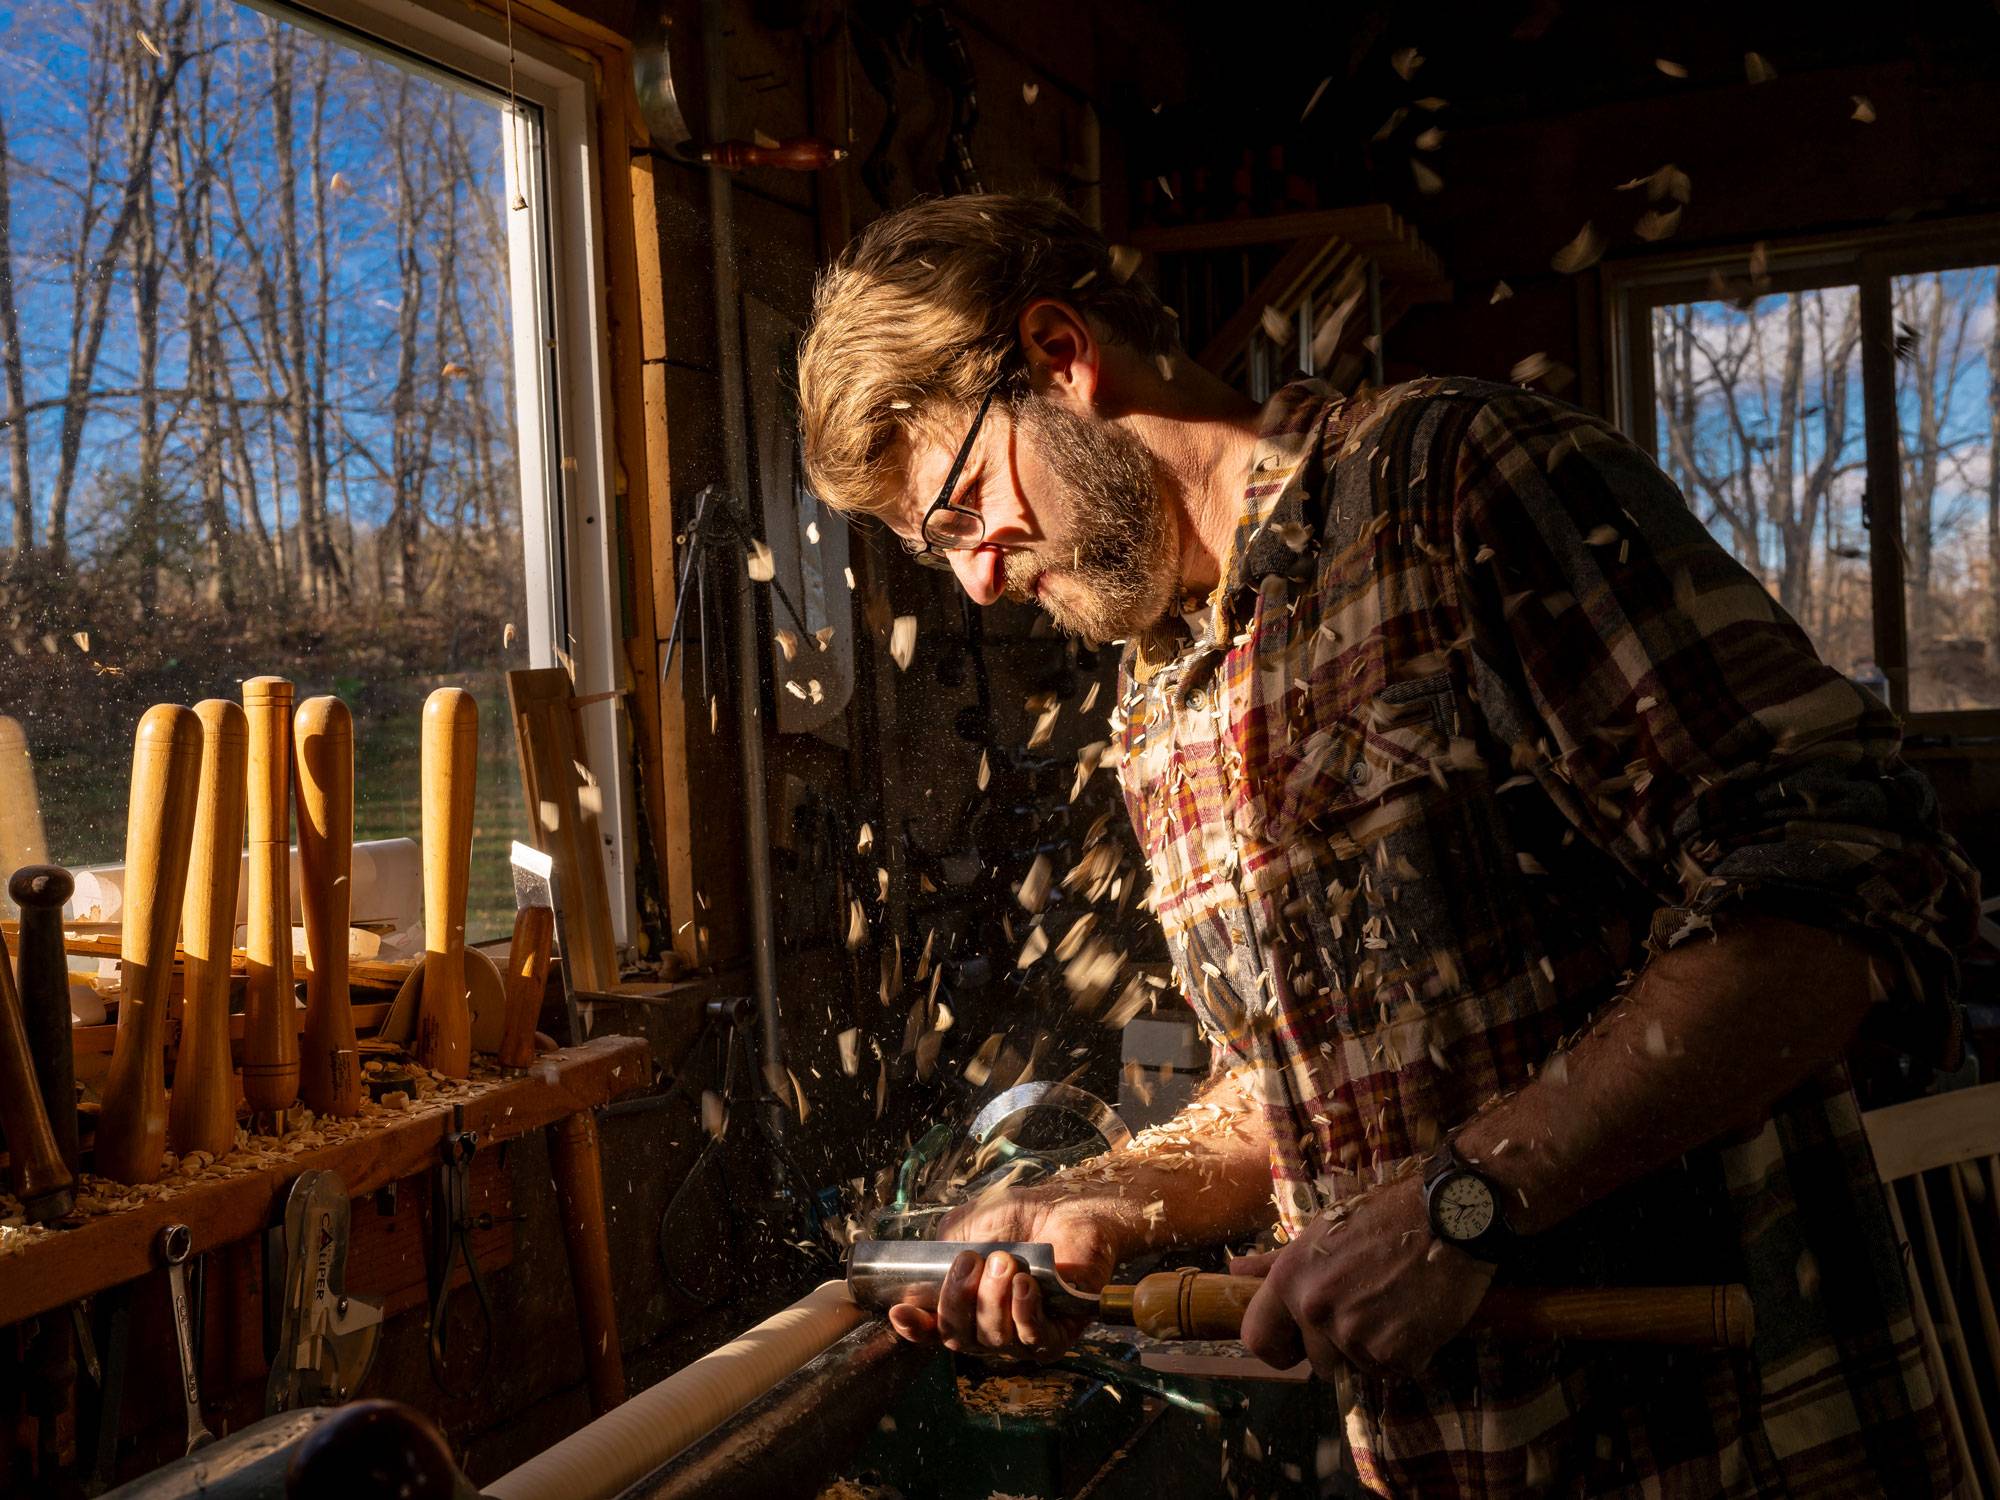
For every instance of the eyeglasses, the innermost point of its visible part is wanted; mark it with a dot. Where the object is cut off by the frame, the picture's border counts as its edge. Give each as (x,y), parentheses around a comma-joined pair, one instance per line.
(948,527)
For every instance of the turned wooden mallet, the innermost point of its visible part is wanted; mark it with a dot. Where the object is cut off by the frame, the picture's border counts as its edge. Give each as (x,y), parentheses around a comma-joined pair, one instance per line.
(40,1180)
(270,1034)
(159,829)
(40,892)
(323,774)
(450,754)
(202,1115)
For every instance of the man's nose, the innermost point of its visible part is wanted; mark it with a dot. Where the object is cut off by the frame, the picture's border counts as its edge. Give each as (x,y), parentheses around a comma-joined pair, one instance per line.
(982,572)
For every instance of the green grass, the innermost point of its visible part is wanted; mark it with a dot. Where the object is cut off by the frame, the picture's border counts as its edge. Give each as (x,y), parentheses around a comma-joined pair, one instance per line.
(84,789)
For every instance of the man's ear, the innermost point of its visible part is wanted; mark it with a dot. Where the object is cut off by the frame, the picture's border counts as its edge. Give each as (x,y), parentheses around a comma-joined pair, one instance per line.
(1064,356)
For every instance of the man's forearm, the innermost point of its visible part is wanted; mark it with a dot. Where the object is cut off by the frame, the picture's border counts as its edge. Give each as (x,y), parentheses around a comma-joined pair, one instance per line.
(1714,1031)
(1198,1179)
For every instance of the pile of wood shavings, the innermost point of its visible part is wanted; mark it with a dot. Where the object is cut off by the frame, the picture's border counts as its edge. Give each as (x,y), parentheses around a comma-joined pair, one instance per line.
(304,1132)
(1039,1393)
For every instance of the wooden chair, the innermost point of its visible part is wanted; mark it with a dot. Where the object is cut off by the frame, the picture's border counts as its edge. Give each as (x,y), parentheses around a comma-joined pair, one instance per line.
(1940,1163)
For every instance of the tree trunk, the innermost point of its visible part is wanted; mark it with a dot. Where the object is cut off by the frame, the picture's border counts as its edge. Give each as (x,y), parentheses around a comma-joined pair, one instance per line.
(12,362)
(1993,485)
(190,173)
(146,522)
(92,268)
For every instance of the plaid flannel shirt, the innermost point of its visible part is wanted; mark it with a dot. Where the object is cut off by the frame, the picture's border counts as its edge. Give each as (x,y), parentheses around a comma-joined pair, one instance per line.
(1479,714)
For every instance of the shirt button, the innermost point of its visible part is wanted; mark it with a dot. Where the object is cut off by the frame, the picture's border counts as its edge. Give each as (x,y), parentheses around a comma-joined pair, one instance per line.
(1357,774)
(1198,701)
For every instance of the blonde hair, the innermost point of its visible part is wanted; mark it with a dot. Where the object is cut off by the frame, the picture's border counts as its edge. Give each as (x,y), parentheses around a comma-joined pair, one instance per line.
(917,321)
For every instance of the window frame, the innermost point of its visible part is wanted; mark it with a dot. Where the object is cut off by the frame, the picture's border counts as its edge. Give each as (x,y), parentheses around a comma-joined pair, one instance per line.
(569,501)
(1868,260)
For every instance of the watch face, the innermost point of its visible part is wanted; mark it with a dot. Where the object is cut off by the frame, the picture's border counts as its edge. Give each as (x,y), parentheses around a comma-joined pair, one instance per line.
(1465,1208)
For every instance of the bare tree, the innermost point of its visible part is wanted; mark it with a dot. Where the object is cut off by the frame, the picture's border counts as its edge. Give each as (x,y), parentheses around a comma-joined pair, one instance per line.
(1993,483)
(14,365)
(1756,425)
(118,31)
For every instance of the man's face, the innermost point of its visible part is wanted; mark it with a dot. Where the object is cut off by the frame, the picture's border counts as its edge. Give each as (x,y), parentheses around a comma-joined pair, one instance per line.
(1074,518)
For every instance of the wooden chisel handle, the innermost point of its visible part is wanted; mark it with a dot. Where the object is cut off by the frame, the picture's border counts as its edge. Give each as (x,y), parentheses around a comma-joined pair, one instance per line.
(1206,1305)
(40,1179)
(40,892)
(270,1042)
(323,750)
(526,979)
(450,754)
(159,829)
(202,1116)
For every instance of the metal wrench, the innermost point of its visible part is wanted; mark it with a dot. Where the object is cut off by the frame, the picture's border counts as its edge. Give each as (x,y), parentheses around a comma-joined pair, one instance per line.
(175,1242)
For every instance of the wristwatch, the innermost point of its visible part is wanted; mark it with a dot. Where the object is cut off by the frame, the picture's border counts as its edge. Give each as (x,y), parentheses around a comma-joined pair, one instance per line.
(1464,1205)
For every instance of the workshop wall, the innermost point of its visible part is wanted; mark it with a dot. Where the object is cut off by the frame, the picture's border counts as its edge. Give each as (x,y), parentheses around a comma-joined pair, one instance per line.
(923,1039)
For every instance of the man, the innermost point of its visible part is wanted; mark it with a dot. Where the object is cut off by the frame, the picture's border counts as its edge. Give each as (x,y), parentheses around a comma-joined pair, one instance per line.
(1526,869)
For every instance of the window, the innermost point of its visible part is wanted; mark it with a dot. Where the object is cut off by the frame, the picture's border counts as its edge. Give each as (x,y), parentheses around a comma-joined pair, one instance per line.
(1830,411)
(300,356)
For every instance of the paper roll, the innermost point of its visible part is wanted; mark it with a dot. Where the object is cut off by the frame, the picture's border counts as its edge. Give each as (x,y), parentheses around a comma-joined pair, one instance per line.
(388,887)
(630,1441)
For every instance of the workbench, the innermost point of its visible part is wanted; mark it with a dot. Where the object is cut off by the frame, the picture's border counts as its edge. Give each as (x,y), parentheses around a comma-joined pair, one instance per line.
(242,1194)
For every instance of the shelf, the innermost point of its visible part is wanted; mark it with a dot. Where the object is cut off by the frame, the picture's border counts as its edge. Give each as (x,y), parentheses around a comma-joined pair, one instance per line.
(46,1267)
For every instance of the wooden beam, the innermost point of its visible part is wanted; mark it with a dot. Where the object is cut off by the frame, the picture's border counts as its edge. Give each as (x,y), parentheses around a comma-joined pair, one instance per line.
(45,1268)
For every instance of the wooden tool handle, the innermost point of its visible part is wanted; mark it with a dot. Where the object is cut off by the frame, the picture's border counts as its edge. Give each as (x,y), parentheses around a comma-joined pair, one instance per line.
(41,1181)
(202,1116)
(450,777)
(270,1044)
(323,750)
(801,154)
(1706,1317)
(40,891)
(1205,1305)
(159,829)
(526,980)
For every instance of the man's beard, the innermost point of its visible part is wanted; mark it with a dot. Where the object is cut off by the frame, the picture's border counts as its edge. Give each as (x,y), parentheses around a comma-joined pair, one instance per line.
(1111,562)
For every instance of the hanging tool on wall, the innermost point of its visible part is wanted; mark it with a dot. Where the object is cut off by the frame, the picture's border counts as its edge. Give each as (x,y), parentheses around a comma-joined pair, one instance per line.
(660,105)
(326,1338)
(741,1090)
(175,1242)
(882,31)
(453,1223)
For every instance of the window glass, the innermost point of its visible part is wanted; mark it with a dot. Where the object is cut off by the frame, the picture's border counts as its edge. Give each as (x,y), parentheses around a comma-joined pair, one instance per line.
(1947,411)
(258,354)
(1759,412)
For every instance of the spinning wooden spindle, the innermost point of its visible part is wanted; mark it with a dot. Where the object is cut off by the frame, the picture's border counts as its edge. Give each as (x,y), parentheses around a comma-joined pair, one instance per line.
(159,827)
(450,771)
(270,1042)
(203,1113)
(323,742)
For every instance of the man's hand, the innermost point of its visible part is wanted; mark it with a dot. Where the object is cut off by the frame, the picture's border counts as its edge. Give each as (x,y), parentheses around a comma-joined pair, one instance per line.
(987,1307)
(1365,1291)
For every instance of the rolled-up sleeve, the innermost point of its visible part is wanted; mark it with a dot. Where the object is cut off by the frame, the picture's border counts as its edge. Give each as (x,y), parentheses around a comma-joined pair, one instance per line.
(1680,719)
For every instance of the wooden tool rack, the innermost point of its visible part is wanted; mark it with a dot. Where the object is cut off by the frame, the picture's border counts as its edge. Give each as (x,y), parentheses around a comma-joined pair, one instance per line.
(51,1267)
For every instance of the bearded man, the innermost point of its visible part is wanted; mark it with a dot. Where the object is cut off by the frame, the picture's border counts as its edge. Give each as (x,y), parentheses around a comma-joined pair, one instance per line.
(1528,872)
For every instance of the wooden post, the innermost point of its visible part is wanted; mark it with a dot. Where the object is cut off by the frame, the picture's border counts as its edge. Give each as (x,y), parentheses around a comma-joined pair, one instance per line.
(579,1177)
